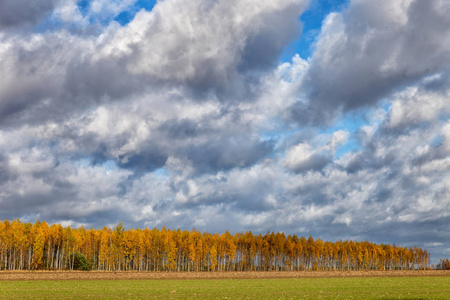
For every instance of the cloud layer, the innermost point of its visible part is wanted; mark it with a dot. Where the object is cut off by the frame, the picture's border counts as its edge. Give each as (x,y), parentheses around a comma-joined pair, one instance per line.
(185,117)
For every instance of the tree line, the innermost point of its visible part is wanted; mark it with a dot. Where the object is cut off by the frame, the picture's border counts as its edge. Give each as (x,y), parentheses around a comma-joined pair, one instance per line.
(444,264)
(26,246)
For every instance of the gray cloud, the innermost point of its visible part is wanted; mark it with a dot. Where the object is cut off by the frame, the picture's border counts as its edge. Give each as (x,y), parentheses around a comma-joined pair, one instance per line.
(372,49)
(149,159)
(211,43)
(302,158)
(226,153)
(182,129)
(61,73)
(22,12)
(5,172)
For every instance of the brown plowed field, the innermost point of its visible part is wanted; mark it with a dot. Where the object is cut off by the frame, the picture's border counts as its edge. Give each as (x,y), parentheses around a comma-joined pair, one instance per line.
(103,275)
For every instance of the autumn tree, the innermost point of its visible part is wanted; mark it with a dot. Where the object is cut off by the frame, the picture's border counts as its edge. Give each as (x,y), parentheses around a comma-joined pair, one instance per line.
(27,246)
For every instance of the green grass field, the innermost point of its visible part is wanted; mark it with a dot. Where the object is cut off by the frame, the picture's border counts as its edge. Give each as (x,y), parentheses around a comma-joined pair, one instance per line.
(304,288)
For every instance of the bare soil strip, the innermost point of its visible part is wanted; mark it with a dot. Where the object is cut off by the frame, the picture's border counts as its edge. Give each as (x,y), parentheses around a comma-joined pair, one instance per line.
(104,275)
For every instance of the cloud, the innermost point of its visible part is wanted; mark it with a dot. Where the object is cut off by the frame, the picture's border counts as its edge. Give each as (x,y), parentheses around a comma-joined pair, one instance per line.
(370,50)
(206,45)
(36,68)
(201,45)
(302,157)
(5,172)
(227,153)
(15,13)
(106,9)
(417,105)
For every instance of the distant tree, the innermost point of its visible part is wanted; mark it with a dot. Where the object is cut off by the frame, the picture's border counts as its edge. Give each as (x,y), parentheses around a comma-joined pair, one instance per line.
(444,264)
(80,262)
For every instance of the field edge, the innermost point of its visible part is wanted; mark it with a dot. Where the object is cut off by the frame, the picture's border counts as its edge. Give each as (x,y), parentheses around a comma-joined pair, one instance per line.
(135,275)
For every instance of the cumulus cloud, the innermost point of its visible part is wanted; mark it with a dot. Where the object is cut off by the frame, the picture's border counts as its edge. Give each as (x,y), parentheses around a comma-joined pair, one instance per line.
(15,13)
(208,44)
(35,72)
(372,49)
(417,105)
(303,157)
(202,45)
(105,9)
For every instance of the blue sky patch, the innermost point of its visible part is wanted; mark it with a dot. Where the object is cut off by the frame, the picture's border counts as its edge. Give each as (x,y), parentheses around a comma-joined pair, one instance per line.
(126,17)
(312,23)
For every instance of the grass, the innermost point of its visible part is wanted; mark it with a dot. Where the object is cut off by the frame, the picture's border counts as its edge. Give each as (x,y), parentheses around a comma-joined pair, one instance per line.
(290,288)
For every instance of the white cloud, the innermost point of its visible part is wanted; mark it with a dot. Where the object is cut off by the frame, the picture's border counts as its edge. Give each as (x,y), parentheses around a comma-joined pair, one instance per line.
(198,41)
(300,157)
(371,49)
(69,12)
(415,105)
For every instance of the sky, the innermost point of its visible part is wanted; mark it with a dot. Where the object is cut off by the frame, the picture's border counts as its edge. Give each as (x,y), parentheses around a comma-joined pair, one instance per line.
(323,118)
